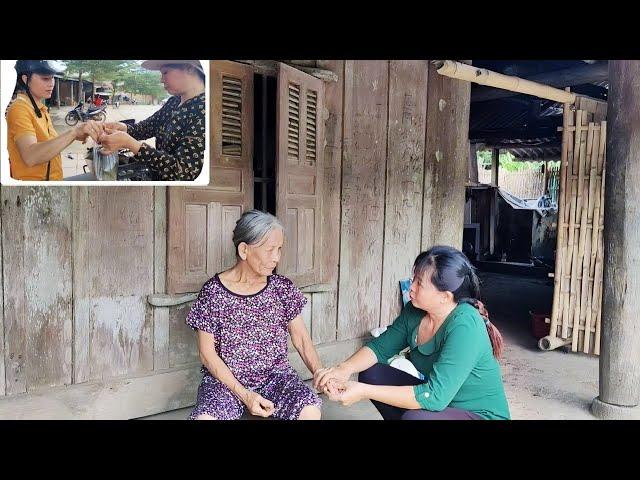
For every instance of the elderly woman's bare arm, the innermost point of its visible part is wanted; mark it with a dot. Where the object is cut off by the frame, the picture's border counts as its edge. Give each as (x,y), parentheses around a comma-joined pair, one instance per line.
(303,344)
(256,404)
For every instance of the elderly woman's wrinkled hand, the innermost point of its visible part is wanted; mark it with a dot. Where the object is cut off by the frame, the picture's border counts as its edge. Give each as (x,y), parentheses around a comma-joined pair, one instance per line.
(258,405)
(324,375)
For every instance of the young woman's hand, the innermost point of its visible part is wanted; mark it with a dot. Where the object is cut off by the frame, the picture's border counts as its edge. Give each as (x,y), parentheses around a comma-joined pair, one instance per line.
(352,393)
(324,375)
(88,129)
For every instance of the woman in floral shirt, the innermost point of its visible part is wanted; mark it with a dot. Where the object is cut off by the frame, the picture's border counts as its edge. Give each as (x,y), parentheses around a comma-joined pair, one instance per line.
(179,126)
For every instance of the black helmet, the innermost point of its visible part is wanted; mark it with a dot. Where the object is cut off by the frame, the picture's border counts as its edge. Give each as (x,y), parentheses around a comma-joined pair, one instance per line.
(43,67)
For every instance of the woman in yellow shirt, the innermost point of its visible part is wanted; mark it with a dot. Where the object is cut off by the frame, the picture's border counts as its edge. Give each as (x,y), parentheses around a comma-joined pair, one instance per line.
(34,145)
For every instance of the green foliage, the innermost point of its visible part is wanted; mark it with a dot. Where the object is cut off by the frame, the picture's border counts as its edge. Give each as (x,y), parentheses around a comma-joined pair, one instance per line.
(509,163)
(126,75)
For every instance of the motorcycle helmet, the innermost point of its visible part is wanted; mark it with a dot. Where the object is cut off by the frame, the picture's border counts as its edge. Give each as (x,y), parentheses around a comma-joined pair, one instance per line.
(42,67)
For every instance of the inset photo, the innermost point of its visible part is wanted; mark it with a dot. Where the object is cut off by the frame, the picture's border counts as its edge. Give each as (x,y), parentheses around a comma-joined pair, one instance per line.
(104,122)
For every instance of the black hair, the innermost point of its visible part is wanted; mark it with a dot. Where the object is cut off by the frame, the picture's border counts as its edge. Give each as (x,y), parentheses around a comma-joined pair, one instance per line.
(449,270)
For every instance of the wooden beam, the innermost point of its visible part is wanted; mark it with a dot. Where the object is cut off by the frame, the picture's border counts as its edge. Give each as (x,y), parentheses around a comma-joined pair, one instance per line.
(270,68)
(568,77)
(462,71)
(116,399)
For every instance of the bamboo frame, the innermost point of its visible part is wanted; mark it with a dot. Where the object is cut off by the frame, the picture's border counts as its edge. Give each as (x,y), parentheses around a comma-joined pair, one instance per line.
(576,312)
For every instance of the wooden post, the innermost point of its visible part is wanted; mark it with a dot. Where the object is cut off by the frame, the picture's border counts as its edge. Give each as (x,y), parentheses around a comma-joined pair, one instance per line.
(71,85)
(445,159)
(473,162)
(495,167)
(620,336)
(57,80)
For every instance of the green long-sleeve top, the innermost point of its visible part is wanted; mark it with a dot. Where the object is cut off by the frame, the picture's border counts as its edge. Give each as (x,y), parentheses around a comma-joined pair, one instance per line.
(457,362)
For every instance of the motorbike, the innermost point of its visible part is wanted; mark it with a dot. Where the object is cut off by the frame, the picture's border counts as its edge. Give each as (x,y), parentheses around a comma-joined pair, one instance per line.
(79,115)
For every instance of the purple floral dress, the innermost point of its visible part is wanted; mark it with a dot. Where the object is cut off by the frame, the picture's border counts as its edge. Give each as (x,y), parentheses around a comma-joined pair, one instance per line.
(250,334)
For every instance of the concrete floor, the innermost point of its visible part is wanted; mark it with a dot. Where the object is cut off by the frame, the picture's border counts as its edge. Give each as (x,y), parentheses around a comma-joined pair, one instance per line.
(554,385)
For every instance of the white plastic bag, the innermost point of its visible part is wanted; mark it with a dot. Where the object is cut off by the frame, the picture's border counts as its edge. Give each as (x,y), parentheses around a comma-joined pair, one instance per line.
(105,167)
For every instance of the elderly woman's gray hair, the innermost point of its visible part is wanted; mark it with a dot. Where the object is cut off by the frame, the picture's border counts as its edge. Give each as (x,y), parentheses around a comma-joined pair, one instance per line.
(253,226)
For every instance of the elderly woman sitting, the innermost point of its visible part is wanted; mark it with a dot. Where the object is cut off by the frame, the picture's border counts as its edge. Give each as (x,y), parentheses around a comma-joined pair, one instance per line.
(242,317)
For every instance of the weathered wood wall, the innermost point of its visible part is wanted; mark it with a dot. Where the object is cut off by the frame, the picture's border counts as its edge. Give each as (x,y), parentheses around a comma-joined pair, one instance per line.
(80,338)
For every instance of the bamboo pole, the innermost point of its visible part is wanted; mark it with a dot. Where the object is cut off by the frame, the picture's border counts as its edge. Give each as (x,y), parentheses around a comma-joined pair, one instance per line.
(551,343)
(568,205)
(573,238)
(585,238)
(576,264)
(560,242)
(482,76)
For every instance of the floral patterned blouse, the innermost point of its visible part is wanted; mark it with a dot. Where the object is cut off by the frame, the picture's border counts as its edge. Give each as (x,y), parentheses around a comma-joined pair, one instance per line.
(180,139)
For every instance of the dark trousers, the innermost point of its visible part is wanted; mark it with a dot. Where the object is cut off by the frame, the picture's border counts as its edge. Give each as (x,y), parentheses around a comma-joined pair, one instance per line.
(381,374)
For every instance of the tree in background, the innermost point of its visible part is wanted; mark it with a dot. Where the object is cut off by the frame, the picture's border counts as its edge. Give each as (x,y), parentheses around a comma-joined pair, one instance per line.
(97,70)
(141,82)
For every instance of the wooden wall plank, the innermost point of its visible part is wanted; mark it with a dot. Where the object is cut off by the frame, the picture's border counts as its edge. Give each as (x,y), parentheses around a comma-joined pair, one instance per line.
(405,175)
(116,399)
(324,317)
(160,314)
(325,304)
(137,396)
(446,159)
(363,186)
(37,256)
(114,273)
(183,344)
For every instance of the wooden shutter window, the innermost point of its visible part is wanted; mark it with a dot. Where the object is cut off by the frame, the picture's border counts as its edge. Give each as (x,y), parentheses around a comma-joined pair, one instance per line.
(201,219)
(312,126)
(293,136)
(299,173)
(231,116)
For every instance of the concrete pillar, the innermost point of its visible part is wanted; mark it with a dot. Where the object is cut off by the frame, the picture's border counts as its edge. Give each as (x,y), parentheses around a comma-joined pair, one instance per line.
(620,336)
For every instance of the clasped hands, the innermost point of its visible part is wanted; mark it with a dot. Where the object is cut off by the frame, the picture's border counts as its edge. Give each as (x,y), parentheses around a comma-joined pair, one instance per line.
(334,382)
(112,136)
